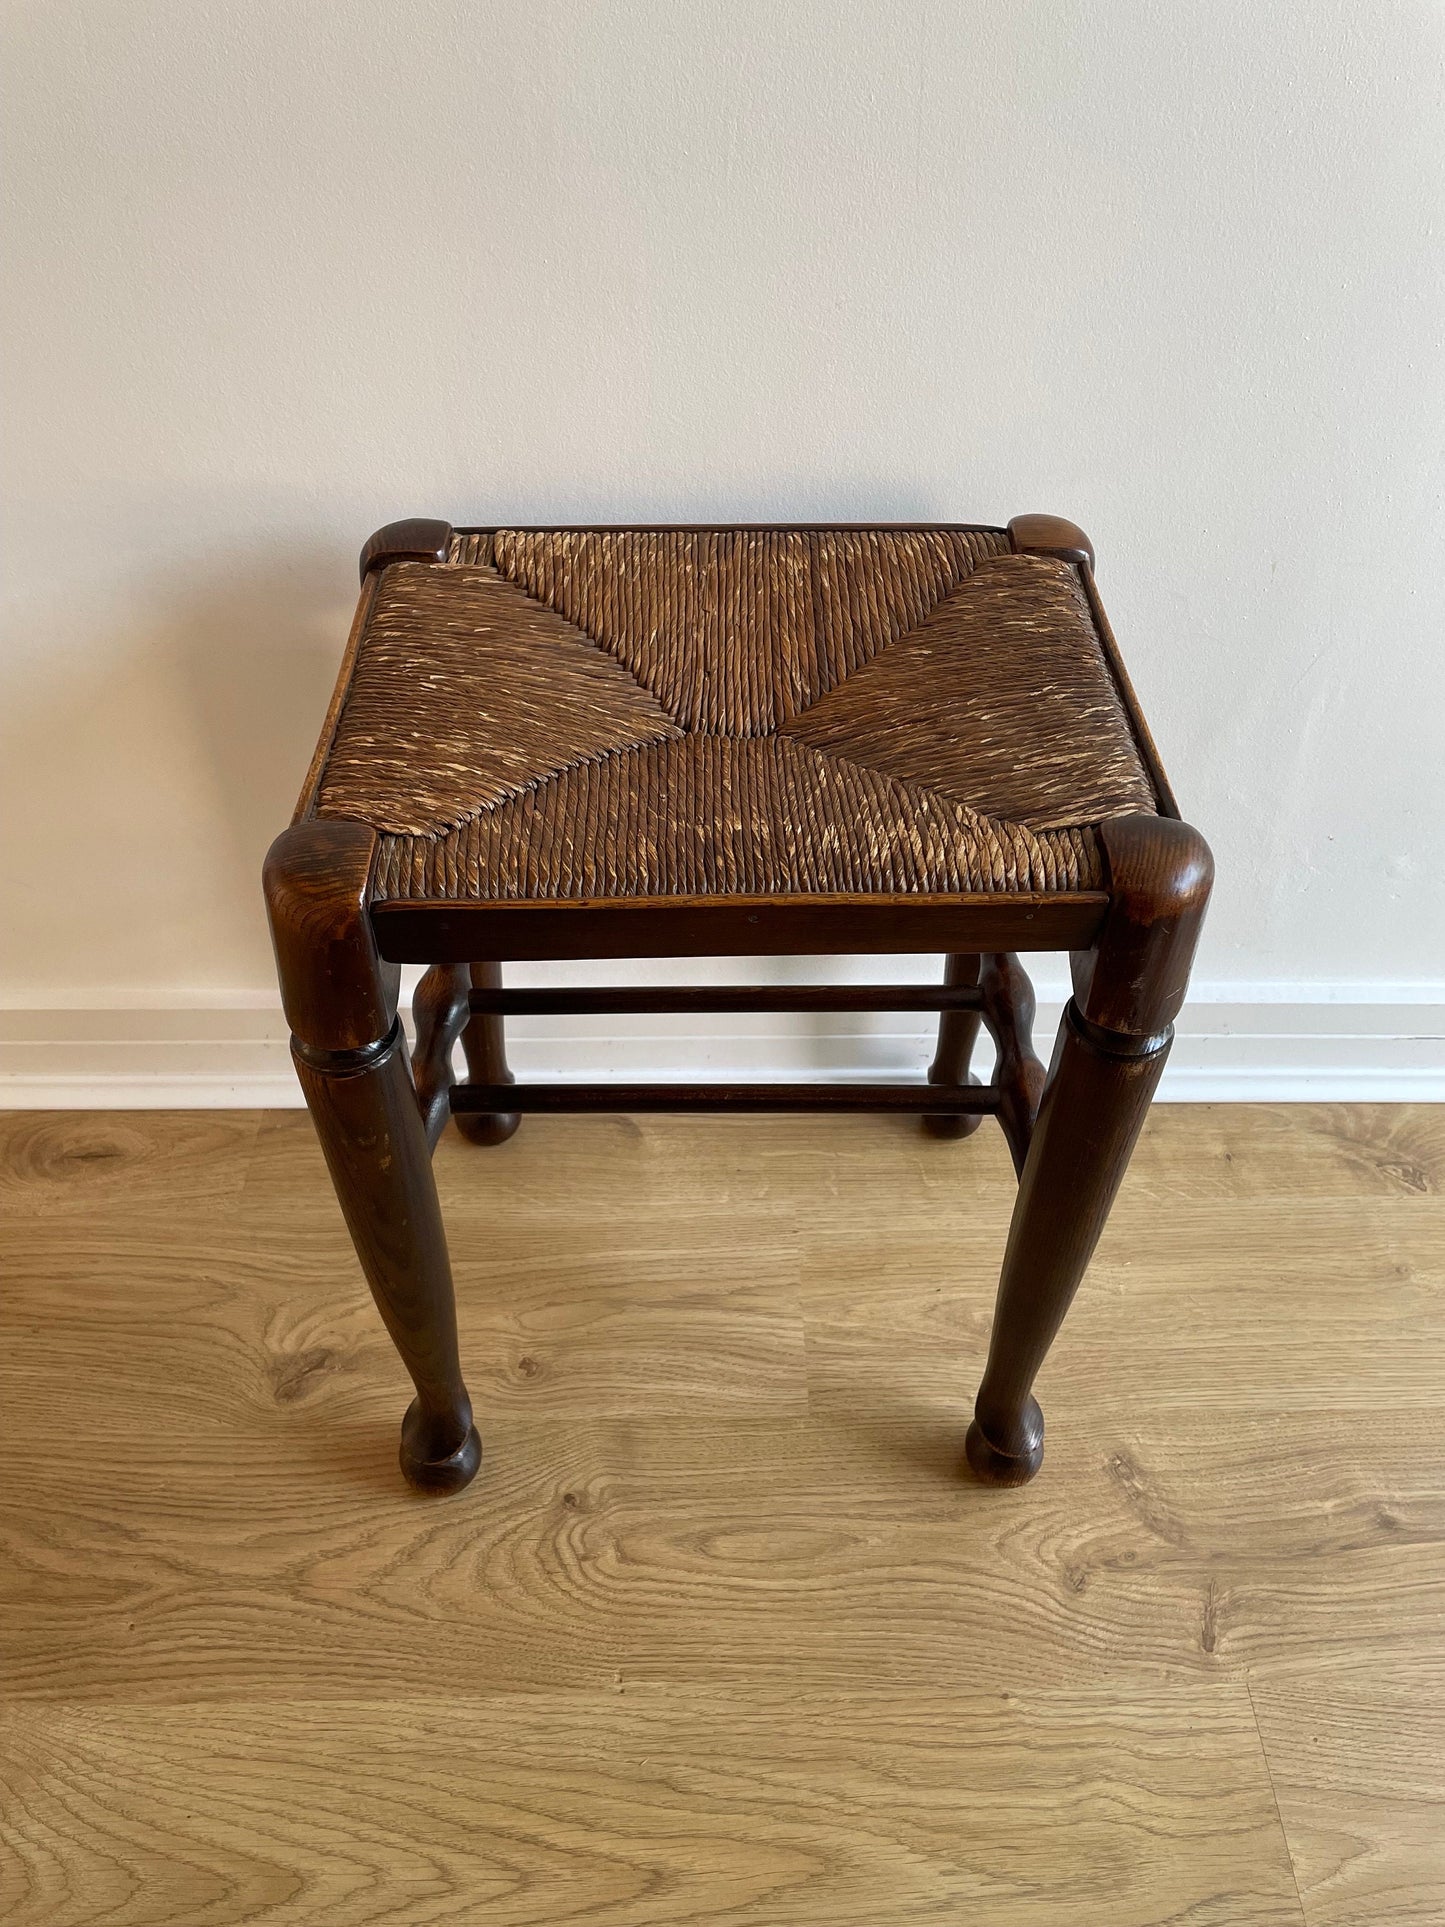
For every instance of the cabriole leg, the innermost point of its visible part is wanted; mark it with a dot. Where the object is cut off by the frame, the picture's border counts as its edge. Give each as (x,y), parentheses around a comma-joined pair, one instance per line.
(351,1059)
(1111,1049)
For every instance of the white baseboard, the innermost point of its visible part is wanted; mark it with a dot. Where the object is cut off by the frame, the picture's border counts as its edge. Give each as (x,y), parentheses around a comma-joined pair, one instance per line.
(1235,1044)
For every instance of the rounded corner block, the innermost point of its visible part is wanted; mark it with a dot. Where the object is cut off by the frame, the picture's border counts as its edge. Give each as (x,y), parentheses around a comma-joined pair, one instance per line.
(333,986)
(1051,535)
(1160,874)
(418,539)
(1162,860)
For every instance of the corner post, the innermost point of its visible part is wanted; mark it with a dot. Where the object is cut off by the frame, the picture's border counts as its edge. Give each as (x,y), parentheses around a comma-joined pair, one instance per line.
(1111,1049)
(351,1059)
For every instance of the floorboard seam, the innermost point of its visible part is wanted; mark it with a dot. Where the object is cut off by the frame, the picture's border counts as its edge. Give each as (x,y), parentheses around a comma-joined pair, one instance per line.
(1274,1796)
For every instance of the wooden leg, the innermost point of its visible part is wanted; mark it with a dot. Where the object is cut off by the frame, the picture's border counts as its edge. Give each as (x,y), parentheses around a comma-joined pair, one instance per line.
(957,1034)
(370,1127)
(1093,1106)
(484,1046)
(1111,1049)
(439,1011)
(1008,1010)
(351,1059)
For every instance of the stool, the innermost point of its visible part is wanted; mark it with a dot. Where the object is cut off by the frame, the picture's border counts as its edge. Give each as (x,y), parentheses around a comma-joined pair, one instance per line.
(676,742)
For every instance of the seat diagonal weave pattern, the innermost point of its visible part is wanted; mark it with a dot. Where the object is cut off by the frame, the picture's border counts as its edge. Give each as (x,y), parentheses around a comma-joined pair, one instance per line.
(570,714)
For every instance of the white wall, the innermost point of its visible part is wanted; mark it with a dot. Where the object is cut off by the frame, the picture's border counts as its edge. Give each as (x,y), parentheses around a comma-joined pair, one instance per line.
(281,272)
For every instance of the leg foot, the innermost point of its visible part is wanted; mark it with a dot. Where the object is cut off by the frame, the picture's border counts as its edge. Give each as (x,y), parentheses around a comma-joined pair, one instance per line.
(952,1124)
(488,1127)
(1002,1468)
(439,1475)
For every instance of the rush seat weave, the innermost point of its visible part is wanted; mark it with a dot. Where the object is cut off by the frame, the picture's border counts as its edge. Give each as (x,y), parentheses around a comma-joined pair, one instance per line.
(579,714)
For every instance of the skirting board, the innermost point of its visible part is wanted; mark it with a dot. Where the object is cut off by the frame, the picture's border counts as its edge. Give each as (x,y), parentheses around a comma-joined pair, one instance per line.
(1340,1046)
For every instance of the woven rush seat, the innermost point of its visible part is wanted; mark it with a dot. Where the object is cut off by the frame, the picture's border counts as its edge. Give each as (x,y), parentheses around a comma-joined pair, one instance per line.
(565,714)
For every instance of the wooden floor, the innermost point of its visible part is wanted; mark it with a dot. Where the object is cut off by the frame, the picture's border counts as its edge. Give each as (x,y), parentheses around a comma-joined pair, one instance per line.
(723,1633)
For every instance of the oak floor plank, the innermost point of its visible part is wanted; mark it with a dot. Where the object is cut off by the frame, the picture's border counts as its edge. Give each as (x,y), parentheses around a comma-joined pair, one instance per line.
(73,1163)
(815,1166)
(1358,1766)
(1299,1151)
(648,1810)
(277,1555)
(637,1169)
(1260,1304)
(246,1308)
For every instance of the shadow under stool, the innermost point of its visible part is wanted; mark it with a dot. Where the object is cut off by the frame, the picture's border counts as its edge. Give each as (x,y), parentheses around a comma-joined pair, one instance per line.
(678,742)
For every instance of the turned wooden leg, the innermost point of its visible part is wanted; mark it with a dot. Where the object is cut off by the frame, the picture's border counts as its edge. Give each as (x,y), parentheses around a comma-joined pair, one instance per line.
(1112,1044)
(439,1011)
(351,1059)
(957,1034)
(1008,1010)
(484,1046)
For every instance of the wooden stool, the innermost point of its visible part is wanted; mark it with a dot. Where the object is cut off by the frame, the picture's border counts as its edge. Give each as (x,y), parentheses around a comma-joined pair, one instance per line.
(676,742)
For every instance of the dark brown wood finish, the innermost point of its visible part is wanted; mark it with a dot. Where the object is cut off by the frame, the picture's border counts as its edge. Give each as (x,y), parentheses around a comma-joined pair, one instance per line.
(1112,1045)
(957,1035)
(1008,1010)
(484,1046)
(417,539)
(350,1056)
(692,999)
(1051,535)
(412,932)
(969,1099)
(440,1011)
(1133,977)
(337,993)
